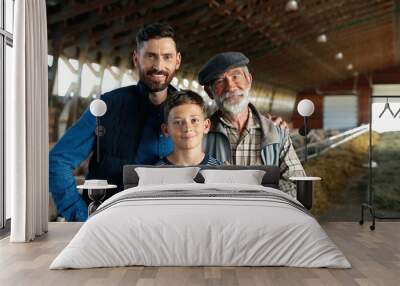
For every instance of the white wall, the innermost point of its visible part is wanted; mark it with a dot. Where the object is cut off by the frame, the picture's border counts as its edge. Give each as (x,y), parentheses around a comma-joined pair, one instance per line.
(340,111)
(386,122)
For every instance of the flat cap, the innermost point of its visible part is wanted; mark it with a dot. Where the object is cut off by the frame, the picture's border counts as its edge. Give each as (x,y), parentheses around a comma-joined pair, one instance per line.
(219,64)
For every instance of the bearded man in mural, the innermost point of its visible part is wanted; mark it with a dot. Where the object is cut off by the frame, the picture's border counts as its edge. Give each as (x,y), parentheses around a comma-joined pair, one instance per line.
(239,134)
(132,122)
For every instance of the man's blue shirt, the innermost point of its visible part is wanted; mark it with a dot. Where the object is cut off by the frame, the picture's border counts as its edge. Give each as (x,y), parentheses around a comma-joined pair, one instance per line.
(153,144)
(74,147)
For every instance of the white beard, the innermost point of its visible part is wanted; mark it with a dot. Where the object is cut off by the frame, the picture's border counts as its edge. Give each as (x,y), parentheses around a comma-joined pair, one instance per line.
(236,108)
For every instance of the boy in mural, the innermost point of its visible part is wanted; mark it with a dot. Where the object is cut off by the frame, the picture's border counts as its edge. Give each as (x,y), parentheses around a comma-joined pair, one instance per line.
(186,123)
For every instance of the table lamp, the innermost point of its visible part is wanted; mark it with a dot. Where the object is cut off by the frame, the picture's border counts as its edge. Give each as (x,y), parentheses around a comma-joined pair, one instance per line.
(98,108)
(305,108)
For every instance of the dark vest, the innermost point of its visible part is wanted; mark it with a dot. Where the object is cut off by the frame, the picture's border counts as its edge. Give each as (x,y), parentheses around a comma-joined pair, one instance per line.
(124,120)
(127,111)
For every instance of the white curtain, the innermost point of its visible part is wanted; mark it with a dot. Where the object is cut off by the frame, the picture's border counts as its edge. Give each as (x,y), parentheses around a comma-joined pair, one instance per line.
(27,123)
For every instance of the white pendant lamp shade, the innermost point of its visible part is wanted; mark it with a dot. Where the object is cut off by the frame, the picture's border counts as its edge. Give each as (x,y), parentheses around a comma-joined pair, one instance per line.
(305,107)
(339,56)
(322,38)
(292,5)
(98,107)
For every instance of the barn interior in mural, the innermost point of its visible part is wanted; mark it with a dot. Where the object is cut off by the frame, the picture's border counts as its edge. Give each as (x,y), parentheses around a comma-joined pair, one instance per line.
(335,53)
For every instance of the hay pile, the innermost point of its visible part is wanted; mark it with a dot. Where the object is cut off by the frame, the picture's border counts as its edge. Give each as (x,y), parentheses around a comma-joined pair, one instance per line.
(338,168)
(385,178)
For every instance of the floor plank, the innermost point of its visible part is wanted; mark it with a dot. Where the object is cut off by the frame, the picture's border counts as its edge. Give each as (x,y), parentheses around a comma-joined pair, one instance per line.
(375,257)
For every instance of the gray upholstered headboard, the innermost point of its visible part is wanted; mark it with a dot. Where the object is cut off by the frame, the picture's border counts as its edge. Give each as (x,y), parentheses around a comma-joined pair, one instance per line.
(270,179)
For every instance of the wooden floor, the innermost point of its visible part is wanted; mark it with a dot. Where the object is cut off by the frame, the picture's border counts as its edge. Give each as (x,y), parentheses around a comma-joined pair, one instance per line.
(375,256)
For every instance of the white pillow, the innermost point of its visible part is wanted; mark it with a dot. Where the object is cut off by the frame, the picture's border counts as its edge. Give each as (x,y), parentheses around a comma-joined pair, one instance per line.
(248,177)
(163,176)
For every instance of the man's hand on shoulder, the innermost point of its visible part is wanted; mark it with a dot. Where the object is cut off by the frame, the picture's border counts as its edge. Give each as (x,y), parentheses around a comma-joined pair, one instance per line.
(277,120)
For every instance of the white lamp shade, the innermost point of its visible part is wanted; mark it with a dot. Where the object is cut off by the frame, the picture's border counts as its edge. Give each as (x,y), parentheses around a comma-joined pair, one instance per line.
(305,107)
(322,38)
(98,107)
(339,56)
(291,5)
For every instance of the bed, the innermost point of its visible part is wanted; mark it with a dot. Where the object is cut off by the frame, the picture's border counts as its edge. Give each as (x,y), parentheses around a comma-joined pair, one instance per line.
(201,223)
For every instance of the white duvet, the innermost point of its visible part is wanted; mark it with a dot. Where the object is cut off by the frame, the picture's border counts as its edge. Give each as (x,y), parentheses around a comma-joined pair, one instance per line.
(201,224)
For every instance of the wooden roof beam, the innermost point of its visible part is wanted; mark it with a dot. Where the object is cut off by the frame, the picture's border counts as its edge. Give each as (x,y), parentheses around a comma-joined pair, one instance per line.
(210,44)
(118,14)
(220,10)
(78,9)
(137,23)
(340,23)
(130,38)
(396,33)
(307,54)
(133,25)
(222,29)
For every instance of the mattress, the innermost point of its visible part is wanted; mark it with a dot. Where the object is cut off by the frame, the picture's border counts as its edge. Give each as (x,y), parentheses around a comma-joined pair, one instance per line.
(201,225)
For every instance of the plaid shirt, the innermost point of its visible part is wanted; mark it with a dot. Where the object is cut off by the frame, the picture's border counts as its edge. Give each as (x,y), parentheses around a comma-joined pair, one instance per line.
(246,150)
(246,147)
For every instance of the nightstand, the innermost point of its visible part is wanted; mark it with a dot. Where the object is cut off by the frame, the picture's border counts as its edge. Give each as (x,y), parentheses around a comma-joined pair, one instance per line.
(96,195)
(304,187)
